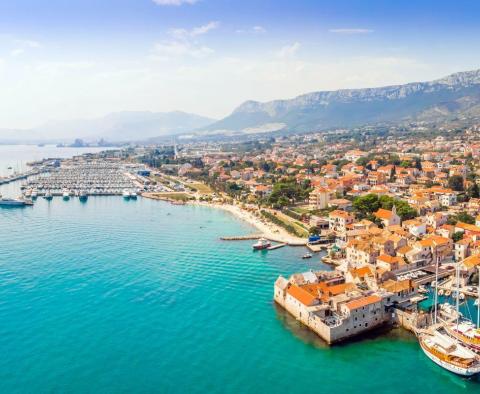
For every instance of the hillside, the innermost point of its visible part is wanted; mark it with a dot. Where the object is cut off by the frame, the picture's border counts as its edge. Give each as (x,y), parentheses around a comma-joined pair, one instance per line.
(453,96)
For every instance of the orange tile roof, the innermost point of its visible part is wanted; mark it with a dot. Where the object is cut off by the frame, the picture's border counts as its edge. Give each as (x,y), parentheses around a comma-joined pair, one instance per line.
(395,286)
(361,272)
(468,227)
(471,261)
(301,295)
(383,214)
(388,259)
(338,213)
(364,301)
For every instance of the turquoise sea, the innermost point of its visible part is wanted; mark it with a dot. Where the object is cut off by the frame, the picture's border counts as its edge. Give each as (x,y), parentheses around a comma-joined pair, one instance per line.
(114,296)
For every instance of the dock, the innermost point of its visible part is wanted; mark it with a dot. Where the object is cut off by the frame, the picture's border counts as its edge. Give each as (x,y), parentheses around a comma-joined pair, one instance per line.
(242,237)
(277,246)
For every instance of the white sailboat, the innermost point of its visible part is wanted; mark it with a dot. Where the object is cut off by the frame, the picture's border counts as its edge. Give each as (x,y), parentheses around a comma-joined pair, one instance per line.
(444,350)
(463,330)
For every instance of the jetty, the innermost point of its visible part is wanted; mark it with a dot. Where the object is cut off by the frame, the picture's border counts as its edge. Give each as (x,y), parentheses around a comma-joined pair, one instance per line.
(242,237)
(277,246)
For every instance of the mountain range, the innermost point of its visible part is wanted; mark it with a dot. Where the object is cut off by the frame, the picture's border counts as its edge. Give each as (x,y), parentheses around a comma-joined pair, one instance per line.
(453,96)
(456,96)
(117,126)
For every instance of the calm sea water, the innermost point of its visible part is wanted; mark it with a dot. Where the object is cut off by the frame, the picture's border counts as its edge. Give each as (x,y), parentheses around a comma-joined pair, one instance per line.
(17,156)
(114,296)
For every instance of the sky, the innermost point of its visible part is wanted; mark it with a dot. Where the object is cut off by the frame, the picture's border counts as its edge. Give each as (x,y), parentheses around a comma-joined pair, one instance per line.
(74,59)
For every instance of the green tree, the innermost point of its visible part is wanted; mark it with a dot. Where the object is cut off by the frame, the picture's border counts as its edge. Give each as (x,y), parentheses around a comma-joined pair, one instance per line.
(455,182)
(465,218)
(473,191)
(457,236)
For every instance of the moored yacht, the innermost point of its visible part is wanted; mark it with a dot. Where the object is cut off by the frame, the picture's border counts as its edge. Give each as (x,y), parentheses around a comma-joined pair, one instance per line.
(48,195)
(66,194)
(126,194)
(447,353)
(15,202)
(466,333)
(133,195)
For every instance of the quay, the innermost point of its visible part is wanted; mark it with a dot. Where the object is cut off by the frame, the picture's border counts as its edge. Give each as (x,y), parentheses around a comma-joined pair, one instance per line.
(18,177)
(242,237)
(277,246)
(270,238)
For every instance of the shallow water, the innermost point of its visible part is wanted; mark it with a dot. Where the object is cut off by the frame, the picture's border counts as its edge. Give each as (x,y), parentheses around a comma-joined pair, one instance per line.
(142,296)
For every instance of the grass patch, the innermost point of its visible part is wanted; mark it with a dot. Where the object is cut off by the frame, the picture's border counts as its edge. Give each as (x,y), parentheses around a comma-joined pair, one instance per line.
(200,187)
(173,196)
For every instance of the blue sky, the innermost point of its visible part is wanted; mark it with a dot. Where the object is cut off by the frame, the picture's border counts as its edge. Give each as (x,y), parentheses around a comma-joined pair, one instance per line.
(64,59)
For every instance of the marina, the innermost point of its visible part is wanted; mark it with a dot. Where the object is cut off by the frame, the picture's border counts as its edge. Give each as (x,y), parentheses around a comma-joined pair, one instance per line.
(82,178)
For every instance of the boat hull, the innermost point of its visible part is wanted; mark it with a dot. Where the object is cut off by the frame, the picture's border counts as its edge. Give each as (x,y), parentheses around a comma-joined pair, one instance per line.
(472,346)
(260,247)
(450,367)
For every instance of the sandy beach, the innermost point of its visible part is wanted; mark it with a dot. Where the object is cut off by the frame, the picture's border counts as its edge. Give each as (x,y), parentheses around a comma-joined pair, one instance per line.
(268,230)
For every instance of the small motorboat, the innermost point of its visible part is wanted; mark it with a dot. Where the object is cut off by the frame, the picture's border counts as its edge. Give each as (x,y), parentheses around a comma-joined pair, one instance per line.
(261,244)
(307,256)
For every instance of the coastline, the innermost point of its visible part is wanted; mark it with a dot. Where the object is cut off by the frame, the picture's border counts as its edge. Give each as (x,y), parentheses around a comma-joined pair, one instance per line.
(268,230)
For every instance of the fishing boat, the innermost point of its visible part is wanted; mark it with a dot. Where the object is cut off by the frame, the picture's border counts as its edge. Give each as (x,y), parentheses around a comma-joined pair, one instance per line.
(307,256)
(261,244)
(447,353)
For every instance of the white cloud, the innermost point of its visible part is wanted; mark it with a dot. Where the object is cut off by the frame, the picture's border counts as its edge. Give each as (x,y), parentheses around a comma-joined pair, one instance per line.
(255,29)
(204,29)
(180,33)
(351,31)
(17,52)
(170,49)
(288,51)
(174,2)
(184,43)
(28,43)
(259,29)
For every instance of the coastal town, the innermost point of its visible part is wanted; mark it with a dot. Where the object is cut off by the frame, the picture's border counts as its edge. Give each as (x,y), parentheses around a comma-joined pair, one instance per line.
(399,228)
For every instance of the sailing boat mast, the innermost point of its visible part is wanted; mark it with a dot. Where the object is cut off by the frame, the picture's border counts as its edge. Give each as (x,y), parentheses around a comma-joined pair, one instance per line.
(458,292)
(436,291)
(478,300)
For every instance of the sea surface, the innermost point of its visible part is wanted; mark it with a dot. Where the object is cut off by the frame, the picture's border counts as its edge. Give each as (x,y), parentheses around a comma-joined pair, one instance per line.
(17,156)
(115,296)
